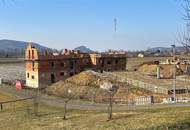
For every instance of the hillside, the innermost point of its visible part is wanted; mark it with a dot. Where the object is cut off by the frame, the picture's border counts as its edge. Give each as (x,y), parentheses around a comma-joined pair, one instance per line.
(83,49)
(7,45)
(11,48)
(50,117)
(179,49)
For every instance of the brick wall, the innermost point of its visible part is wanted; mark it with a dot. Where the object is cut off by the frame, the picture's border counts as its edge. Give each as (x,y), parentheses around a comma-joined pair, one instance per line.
(43,69)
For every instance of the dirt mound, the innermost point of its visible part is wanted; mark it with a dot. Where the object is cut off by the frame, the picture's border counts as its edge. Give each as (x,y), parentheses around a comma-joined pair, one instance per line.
(86,85)
(148,68)
(166,71)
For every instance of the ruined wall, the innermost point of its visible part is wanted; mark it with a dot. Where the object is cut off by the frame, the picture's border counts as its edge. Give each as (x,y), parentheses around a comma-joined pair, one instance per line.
(32,75)
(44,69)
(112,64)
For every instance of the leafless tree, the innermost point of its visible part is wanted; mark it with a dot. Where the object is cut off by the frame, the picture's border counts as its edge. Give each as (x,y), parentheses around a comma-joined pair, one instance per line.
(184,37)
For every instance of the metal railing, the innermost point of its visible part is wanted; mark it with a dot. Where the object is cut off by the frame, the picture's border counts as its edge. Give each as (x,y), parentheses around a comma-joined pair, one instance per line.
(137,83)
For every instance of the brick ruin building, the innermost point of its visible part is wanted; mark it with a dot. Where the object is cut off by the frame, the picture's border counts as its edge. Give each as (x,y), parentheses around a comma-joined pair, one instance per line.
(43,68)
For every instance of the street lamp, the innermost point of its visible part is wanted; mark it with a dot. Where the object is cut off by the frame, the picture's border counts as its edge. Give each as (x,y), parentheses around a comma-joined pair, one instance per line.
(111,89)
(65,103)
(174,72)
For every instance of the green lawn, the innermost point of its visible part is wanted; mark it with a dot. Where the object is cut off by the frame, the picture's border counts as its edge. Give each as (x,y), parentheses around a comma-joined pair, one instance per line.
(16,117)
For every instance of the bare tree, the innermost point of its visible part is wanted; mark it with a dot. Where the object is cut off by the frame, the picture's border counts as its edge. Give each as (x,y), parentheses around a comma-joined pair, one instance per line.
(184,37)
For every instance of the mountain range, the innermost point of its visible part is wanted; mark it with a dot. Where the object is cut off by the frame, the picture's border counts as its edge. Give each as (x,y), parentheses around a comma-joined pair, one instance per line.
(12,47)
(166,49)
(8,45)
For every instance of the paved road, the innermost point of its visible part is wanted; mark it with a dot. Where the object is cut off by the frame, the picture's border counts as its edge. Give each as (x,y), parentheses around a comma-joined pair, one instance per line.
(81,105)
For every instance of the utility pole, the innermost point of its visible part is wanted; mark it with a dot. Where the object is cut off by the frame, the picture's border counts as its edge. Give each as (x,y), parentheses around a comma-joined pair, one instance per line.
(115,27)
(65,104)
(110,106)
(115,32)
(174,72)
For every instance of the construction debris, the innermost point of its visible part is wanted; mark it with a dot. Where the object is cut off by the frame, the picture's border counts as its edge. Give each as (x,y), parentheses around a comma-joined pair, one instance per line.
(166,70)
(86,85)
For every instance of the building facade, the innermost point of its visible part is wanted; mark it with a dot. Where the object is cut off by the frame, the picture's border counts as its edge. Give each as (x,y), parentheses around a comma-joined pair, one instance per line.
(43,68)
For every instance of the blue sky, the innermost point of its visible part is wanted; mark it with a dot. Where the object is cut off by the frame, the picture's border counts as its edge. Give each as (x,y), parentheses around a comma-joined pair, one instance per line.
(70,23)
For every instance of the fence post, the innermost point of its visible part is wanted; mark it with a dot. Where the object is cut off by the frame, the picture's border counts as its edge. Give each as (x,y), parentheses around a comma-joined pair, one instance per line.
(1,106)
(0,81)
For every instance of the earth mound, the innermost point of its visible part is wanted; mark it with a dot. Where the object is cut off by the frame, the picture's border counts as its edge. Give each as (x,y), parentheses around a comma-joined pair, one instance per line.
(166,71)
(86,85)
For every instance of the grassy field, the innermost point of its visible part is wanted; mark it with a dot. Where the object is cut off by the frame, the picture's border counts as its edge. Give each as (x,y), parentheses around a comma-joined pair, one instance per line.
(16,117)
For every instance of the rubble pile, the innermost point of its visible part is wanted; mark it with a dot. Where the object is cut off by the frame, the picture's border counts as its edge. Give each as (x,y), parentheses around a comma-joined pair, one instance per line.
(166,70)
(86,85)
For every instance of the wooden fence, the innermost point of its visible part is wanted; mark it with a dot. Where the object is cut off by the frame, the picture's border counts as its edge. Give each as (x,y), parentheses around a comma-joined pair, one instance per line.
(13,101)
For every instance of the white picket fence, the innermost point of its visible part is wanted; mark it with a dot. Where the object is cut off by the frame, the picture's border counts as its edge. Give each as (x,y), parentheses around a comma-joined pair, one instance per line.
(144,100)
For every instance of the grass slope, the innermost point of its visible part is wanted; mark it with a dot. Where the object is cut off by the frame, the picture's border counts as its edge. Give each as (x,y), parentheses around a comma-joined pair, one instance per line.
(51,118)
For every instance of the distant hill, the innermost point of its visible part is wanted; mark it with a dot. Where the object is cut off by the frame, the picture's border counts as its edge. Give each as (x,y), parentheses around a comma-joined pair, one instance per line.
(83,49)
(20,45)
(11,48)
(166,49)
